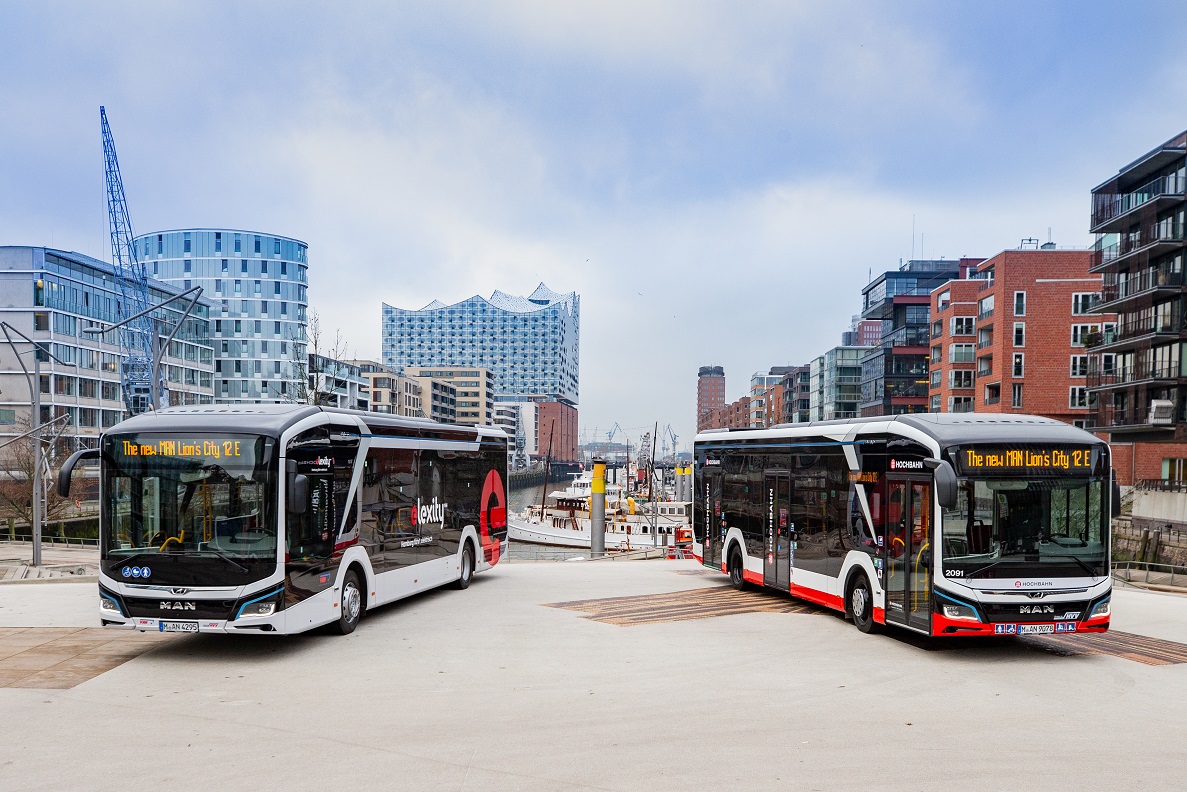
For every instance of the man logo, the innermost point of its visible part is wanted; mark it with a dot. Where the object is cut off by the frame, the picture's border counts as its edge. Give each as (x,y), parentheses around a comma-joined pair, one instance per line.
(178,606)
(1036,609)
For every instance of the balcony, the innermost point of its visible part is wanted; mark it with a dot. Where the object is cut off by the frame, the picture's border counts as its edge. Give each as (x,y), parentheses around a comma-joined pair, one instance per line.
(1150,238)
(985,367)
(1128,333)
(986,314)
(1119,289)
(1131,375)
(1108,207)
(914,336)
(1137,418)
(985,343)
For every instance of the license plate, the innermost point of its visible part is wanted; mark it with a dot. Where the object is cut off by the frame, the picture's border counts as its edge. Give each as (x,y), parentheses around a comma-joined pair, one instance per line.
(178,626)
(1035,629)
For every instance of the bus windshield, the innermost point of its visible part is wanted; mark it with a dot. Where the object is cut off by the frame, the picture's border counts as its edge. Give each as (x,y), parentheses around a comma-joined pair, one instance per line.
(1026,527)
(188,509)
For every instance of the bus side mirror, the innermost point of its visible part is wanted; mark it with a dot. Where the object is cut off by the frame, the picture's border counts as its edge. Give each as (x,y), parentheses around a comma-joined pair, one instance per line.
(946,486)
(68,469)
(1115,501)
(297,491)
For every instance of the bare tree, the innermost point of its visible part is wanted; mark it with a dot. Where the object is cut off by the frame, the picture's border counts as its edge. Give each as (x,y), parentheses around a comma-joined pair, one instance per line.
(312,383)
(17,462)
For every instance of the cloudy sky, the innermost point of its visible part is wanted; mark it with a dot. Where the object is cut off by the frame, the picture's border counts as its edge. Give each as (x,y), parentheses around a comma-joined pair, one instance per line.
(717,180)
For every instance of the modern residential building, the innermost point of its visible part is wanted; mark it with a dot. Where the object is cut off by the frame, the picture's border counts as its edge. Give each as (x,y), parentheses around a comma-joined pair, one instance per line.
(735,415)
(766,396)
(834,387)
(710,392)
(1013,338)
(797,394)
(55,296)
(258,283)
(864,332)
(474,387)
(529,344)
(389,392)
(895,372)
(438,399)
(1139,372)
(337,383)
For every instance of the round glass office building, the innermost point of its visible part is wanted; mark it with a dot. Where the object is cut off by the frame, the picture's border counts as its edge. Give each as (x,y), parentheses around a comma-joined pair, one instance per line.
(258,283)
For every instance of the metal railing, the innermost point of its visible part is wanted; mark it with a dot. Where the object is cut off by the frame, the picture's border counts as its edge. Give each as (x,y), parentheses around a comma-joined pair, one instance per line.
(1116,287)
(1106,206)
(1164,574)
(1165,231)
(1150,324)
(1140,372)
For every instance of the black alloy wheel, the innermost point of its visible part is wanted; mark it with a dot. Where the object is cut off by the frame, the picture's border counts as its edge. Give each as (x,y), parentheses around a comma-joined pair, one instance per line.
(861,604)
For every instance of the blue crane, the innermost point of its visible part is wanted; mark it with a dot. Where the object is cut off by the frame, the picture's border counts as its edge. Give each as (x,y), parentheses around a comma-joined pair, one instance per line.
(137,337)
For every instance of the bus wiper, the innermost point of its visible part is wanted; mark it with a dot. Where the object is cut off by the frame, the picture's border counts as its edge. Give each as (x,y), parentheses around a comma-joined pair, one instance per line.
(224,557)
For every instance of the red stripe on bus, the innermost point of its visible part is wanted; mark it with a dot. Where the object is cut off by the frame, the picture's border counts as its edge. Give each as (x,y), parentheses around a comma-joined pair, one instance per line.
(819,597)
(752,577)
(879,615)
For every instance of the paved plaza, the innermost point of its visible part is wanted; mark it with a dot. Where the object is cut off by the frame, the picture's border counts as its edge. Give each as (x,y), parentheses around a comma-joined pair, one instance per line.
(577,675)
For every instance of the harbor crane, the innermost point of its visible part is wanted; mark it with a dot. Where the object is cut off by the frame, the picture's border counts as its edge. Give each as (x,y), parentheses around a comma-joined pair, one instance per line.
(137,336)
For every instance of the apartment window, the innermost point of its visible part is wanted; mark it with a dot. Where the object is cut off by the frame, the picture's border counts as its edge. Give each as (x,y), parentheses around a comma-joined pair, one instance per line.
(110,391)
(238,287)
(963,325)
(1020,303)
(276,288)
(275,247)
(985,307)
(257,287)
(1019,364)
(1077,397)
(1020,334)
(944,300)
(186,244)
(960,379)
(238,244)
(40,320)
(238,326)
(937,353)
(1084,302)
(1081,332)
(1079,365)
(960,404)
(160,244)
(218,242)
(257,250)
(276,328)
(960,353)
(1016,396)
(188,266)
(242,266)
(937,328)
(936,377)
(155,269)
(225,267)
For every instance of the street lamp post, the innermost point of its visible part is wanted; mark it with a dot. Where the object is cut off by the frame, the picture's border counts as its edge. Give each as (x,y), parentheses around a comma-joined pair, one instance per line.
(34,382)
(159,347)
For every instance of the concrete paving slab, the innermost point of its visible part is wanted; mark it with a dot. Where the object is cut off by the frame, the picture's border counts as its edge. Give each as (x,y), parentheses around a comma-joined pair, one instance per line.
(487,690)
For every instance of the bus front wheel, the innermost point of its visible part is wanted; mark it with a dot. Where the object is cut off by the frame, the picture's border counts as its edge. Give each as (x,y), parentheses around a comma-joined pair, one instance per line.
(735,567)
(861,604)
(467,575)
(351,604)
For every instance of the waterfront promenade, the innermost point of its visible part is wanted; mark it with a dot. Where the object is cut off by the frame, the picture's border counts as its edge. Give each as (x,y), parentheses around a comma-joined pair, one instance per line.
(642,675)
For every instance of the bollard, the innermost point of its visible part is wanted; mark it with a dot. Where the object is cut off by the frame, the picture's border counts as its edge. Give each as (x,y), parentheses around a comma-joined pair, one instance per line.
(597,513)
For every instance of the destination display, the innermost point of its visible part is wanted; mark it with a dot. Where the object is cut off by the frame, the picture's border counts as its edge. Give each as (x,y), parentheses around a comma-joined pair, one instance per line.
(1031,460)
(202,449)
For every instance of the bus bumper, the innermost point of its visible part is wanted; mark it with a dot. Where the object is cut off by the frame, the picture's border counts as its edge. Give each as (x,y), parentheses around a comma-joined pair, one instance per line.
(943,626)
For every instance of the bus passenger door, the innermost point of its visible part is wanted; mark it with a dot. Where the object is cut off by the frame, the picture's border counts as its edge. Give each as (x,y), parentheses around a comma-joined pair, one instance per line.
(777,563)
(908,552)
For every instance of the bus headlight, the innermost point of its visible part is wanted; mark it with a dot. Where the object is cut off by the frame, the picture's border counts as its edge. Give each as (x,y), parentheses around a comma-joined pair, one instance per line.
(954,611)
(109,605)
(1101,609)
(258,609)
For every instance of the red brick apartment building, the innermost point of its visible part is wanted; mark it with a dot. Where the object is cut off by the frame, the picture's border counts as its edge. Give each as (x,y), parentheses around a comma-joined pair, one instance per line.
(735,415)
(1013,338)
(710,392)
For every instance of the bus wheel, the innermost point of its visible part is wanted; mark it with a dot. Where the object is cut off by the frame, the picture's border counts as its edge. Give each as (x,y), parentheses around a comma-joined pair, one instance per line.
(463,582)
(735,567)
(351,606)
(861,604)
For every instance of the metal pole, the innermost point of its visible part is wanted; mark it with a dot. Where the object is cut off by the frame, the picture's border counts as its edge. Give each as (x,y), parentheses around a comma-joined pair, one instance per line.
(35,425)
(597,512)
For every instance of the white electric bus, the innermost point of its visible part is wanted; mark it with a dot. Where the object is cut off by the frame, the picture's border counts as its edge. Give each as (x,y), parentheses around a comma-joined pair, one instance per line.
(946,524)
(281,518)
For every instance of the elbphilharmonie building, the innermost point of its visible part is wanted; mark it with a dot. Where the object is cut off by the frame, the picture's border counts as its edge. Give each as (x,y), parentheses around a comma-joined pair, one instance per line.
(530,344)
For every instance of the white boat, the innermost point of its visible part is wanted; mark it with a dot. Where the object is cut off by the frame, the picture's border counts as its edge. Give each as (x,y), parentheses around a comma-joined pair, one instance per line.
(567,524)
(581,486)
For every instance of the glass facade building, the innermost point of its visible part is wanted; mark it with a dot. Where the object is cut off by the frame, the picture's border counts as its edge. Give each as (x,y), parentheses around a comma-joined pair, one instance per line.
(55,296)
(258,284)
(529,344)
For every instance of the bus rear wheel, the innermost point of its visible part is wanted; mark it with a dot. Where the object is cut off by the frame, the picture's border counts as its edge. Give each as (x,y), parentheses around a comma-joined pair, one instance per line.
(861,604)
(467,575)
(351,604)
(735,568)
